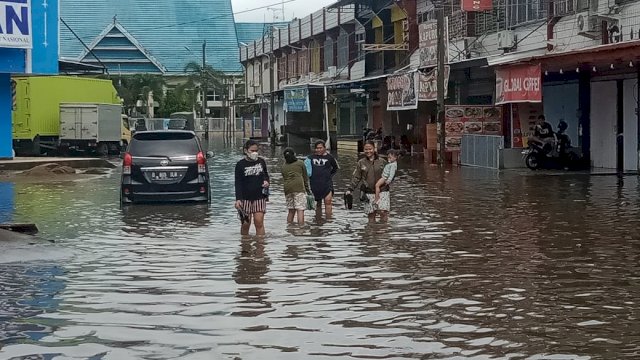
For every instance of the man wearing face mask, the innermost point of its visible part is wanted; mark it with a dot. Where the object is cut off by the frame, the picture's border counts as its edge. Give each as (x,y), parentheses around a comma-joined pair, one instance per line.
(252,189)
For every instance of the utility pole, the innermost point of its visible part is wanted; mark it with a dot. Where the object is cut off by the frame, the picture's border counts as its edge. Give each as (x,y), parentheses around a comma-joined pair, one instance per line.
(440,69)
(204,90)
(272,79)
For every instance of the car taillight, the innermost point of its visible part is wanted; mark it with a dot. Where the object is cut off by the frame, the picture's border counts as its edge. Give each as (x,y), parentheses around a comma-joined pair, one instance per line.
(202,163)
(127,161)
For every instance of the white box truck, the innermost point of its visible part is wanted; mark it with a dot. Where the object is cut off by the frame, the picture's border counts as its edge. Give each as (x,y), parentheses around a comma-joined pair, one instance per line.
(92,128)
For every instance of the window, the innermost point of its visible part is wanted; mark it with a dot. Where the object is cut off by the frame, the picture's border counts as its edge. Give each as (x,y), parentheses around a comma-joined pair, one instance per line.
(303,62)
(316,64)
(282,68)
(293,66)
(213,96)
(343,49)
(329,53)
(524,11)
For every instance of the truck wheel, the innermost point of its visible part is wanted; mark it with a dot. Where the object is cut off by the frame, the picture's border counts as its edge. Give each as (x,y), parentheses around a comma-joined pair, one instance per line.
(103,149)
(36,150)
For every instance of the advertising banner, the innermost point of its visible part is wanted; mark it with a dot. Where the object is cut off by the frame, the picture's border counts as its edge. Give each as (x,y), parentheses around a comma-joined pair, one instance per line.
(428,43)
(461,119)
(477,5)
(402,94)
(15,24)
(296,100)
(428,85)
(519,83)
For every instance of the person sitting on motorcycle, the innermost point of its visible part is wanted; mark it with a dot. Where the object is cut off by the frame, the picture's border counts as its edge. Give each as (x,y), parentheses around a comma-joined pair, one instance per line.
(543,134)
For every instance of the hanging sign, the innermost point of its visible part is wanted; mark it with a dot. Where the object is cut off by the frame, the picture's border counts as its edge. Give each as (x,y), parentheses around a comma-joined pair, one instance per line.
(296,100)
(519,83)
(15,24)
(401,90)
(477,5)
(428,85)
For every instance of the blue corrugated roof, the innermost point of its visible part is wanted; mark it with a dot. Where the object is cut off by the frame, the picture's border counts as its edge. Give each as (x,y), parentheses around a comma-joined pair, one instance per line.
(171,31)
(248,32)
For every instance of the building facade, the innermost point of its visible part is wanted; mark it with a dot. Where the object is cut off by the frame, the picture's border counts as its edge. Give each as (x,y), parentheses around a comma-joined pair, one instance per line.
(580,53)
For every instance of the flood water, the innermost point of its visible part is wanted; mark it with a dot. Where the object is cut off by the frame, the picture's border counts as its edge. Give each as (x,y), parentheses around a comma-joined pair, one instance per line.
(473,265)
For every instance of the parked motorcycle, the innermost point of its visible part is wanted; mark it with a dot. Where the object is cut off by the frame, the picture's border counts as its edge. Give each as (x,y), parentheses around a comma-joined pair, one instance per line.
(558,154)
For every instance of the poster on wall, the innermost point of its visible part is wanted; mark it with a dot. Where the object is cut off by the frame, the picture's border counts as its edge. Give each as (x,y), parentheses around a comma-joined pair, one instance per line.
(428,84)
(477,5)
(296,100)
(479,120)
(15,17)
(523,121)
(519,83)
(428,44)
(402,94)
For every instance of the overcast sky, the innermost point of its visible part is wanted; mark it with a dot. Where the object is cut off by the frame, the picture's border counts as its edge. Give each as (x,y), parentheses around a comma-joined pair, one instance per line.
(297,8)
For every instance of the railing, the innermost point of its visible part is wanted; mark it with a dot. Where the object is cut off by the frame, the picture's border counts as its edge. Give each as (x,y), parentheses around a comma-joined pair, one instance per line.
(481,150)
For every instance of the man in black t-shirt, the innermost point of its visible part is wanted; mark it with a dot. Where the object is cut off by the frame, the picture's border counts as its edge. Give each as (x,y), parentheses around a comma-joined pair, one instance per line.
(543,133)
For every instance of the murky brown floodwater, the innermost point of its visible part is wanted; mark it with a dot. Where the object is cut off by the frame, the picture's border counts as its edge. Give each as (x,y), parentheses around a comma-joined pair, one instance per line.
(474,265)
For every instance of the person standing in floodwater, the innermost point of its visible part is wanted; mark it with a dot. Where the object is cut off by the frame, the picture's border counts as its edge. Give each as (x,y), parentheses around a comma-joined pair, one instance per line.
(296,185)
(252,189)
(323,167)
(369,171)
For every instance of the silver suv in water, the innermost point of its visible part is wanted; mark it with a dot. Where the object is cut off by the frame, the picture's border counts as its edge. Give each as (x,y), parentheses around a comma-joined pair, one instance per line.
(164,166)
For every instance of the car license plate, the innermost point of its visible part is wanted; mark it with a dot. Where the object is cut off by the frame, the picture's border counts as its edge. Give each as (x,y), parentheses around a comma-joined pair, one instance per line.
(164,175)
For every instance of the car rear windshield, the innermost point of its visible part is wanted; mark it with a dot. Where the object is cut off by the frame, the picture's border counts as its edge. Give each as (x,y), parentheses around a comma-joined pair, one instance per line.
(163,144)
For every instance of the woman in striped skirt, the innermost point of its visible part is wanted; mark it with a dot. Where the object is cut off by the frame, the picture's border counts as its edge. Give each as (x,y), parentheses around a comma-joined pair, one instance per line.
(252,189)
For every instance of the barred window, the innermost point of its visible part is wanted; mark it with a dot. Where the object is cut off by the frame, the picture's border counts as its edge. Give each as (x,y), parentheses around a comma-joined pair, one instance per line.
(328,53)
(524,11)
(343,49)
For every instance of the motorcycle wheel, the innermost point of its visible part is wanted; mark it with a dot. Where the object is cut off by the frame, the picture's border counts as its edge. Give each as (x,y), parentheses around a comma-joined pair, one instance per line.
(532,161)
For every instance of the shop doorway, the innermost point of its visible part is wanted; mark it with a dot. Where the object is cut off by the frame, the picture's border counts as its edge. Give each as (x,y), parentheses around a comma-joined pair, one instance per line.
(604,119)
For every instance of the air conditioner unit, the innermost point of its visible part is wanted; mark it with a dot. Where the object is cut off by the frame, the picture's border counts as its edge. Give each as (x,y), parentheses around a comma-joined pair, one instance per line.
(506,39)
(333,71)
(588,25)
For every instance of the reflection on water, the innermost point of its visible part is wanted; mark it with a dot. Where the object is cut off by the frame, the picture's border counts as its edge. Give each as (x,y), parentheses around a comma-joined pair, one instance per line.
(474,265)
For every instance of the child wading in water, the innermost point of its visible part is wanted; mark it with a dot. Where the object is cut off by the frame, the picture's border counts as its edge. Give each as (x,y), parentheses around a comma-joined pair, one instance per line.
(388,174)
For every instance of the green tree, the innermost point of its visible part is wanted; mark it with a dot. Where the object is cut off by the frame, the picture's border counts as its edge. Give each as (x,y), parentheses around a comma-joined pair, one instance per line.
(132,88)
(205,76)
(179,99)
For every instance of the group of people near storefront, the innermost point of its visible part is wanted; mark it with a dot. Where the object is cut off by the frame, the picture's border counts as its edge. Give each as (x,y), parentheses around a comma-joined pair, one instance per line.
(308,184)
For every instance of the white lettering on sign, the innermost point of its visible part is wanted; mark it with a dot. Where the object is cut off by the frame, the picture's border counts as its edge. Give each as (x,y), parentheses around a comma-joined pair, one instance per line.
(15,24)
(521,84)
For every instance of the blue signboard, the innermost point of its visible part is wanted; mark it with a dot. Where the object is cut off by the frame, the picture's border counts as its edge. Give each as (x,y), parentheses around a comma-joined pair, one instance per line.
(296,100)
(42,57)
(36,31)
(46,41)
(15,24)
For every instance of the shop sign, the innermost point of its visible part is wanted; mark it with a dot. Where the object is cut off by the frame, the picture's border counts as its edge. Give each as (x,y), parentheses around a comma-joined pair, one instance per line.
(296,100)
(477,5)
(520,83)
(401,90)
(428,85)
(15,24)
(428,45)
(478,120)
